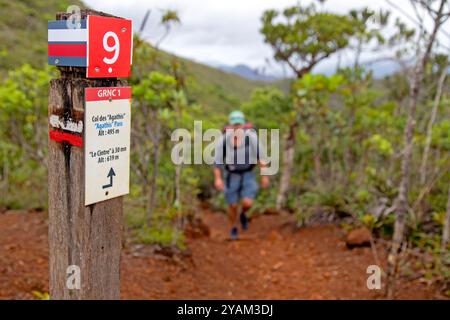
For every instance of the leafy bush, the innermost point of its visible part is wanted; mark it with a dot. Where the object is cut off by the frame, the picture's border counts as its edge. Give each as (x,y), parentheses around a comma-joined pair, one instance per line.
(165,236)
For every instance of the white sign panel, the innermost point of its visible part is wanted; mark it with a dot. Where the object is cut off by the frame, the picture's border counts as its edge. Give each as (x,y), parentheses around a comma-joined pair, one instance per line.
(107,143)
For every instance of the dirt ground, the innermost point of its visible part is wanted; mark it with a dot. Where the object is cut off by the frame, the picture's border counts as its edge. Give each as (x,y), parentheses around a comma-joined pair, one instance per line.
(272,260)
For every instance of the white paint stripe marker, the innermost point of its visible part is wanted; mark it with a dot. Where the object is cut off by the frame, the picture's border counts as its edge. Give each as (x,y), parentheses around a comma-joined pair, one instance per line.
(68,125)
(67,35)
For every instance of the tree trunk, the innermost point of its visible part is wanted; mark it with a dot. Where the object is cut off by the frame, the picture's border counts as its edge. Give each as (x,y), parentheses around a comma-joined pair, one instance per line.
(358,53)
(331,162)
(288,164)
(437,100)
(4,186)
(446,230)
(402,198)
(348,158)
(179,167)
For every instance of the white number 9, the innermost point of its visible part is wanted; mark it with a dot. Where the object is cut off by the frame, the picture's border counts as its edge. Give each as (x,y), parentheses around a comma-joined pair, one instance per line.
(115,47)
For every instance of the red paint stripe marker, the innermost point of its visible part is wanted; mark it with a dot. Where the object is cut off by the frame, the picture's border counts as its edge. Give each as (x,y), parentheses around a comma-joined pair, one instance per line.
(60,136)
(67,50)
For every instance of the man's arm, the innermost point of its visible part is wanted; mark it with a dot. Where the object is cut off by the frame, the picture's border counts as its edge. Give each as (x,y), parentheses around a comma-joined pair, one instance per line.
(264,179)
(218,164)
(259,150)
(218,182)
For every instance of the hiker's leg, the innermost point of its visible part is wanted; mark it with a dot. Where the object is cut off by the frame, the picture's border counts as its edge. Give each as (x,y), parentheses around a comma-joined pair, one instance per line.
(249,190)
(247,203)
(232,198)
(248,193)
(232,214)
(232,195)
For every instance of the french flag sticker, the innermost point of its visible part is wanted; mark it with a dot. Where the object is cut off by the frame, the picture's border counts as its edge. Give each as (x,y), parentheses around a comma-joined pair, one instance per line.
(67,46)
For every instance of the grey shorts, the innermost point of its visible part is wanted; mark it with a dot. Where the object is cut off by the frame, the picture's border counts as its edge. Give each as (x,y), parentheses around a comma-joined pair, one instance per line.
(239,186)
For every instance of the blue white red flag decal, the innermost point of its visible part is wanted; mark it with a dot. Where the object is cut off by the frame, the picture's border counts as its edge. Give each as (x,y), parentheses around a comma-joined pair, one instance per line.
(67,46)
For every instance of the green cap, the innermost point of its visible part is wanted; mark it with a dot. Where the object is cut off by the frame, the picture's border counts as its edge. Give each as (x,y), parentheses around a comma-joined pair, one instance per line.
(236,117)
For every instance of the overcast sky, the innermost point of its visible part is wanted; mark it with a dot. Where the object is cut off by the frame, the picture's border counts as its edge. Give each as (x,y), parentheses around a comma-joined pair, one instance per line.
(220,32)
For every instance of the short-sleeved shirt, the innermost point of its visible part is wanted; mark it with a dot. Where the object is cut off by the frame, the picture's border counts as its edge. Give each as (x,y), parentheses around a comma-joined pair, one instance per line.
(240,158)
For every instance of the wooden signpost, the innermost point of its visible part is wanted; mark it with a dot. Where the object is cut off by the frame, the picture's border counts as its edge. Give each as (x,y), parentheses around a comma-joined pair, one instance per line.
(85,228)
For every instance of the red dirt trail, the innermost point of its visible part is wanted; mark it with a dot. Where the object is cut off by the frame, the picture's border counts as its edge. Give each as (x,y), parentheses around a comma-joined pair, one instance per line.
(273,260)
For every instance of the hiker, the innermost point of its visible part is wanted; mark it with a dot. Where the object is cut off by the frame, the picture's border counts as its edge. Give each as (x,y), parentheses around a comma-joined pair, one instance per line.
(237,153)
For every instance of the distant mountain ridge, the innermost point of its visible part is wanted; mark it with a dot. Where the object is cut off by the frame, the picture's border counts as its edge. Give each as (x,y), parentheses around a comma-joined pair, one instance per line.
(247,72)
(380,70)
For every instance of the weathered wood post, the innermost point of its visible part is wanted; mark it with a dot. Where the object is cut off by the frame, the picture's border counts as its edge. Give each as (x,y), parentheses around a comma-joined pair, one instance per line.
(85,235)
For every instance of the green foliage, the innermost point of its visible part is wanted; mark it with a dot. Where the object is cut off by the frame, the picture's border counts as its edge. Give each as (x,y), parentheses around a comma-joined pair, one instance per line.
(170,16)
(23,135)
(312,91)
(441,135)
(268,108)
(366,17)
(302,36)
(41,295)
(379,144)
(157,90)
(165,236)
(370,222)
(425,240)
(439,217)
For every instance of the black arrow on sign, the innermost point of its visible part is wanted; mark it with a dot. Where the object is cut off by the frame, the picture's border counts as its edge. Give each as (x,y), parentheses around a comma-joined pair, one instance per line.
(110,176)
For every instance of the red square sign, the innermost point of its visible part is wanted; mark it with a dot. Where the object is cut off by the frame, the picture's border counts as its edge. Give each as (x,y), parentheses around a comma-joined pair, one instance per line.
(109,47)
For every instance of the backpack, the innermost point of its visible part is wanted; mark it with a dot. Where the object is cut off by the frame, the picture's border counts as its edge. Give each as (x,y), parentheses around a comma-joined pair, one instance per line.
(233,168)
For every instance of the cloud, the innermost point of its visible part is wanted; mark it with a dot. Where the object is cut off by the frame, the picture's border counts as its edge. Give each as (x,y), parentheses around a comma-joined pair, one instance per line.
(223,31)
(219,32)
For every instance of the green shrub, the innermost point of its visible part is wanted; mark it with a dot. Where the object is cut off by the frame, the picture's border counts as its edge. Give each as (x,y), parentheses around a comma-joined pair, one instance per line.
(165,236)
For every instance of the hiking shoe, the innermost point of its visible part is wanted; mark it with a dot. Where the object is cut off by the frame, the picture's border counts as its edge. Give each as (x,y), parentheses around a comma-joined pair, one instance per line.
(234,233)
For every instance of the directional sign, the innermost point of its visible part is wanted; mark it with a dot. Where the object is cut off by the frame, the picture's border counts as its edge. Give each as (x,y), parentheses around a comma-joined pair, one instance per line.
(111,174)
(103,45)
(107,143)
